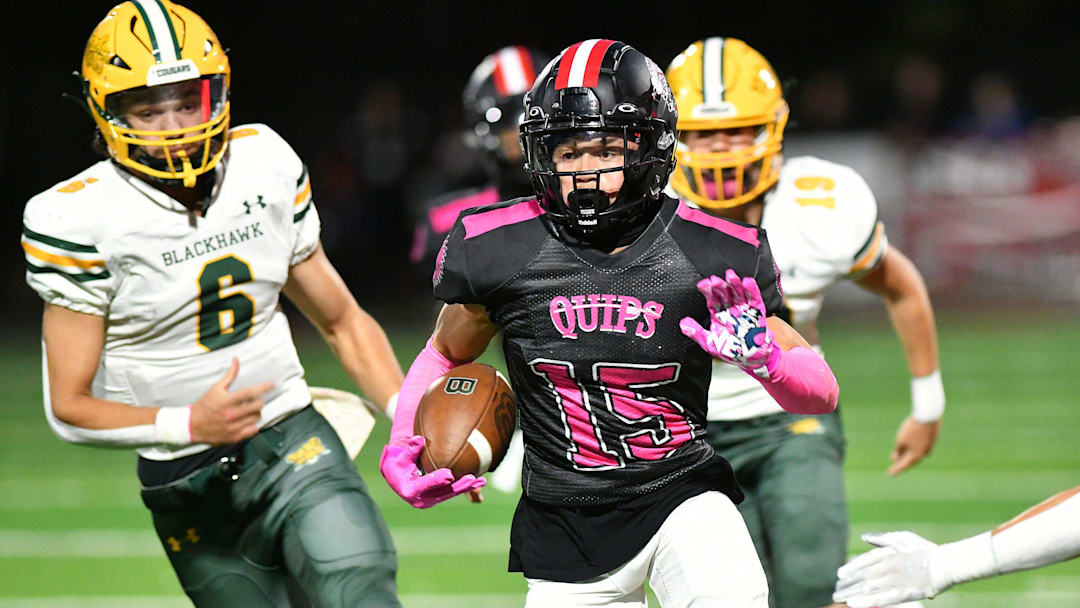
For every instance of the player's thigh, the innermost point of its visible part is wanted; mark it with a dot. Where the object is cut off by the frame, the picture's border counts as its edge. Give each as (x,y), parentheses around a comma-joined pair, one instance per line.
(623,587)
(804,514)
(704,557)
(212,571)
(338,547)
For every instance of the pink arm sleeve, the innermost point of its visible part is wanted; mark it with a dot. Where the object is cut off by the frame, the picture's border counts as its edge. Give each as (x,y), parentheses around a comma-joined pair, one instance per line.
(428,367)
(800,380)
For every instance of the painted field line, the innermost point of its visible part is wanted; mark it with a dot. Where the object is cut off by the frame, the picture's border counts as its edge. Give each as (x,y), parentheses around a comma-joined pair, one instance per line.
(443,600)
(101,601)
(425,540)
(955,486)
(1005,599)
(863,486)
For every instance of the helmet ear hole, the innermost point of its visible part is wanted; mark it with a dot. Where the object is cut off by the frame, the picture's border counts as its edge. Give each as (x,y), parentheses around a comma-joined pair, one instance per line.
(118,62)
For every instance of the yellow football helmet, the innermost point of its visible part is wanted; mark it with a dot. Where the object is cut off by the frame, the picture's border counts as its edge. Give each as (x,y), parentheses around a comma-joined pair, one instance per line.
(723,83)
(145,52)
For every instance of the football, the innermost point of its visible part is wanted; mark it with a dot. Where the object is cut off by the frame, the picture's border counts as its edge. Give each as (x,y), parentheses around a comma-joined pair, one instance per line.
(467,418)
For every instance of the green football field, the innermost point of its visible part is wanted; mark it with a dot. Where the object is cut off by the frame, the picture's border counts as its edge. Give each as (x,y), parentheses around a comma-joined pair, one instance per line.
(73,532)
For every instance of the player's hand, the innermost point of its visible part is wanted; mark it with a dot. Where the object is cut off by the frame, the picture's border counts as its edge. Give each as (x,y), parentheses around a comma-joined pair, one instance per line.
(900,569)
(221,417)
(914,441)
(737,333)
(398,466)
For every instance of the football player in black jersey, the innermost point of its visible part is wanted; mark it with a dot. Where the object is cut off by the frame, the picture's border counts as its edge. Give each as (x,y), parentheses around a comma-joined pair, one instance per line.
(493,103)
(612,299)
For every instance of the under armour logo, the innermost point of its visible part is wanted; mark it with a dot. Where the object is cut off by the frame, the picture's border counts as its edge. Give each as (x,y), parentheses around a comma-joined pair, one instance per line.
(260,203)
(191,537)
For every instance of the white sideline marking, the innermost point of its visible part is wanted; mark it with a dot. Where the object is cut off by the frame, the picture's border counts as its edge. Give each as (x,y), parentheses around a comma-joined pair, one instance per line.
(423,540)
(445,600)
(950,599)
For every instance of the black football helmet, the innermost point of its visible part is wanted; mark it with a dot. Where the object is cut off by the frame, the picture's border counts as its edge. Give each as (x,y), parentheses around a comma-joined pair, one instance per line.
(493,103)
(595,88)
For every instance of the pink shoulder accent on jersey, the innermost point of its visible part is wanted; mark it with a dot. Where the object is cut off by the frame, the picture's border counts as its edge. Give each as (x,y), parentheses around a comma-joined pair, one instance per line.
(442,218)
(478,224)
(743,233)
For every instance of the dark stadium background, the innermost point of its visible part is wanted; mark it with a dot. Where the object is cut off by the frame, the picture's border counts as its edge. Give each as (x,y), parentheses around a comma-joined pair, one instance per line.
(368,93)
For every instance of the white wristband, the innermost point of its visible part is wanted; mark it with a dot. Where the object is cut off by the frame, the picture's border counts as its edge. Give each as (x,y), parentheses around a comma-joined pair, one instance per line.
(927,397)
(962,561)
(391,406)
(173,425)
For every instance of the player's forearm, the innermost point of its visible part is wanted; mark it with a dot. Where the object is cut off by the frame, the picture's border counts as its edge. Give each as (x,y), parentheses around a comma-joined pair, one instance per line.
(364,351)
(1043,535)
(913,319)
(800,381)
(428,366)
(85,420)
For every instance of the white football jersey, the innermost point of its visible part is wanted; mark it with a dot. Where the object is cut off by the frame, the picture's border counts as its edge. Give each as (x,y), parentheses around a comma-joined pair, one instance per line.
(822,223)
(181,294)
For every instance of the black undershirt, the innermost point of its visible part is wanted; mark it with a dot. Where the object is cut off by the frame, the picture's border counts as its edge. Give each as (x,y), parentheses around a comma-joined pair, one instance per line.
(153,473)
(573,544)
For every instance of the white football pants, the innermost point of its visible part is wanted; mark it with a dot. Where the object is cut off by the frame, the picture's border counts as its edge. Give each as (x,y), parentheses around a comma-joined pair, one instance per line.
(702,556)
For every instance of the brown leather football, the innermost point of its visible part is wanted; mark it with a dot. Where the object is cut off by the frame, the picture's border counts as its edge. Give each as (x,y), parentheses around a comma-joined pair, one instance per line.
(467,418)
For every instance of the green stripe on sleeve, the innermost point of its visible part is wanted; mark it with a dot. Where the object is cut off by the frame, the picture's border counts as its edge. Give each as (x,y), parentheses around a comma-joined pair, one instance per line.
(869,240)
(59,243)
(303,176)
(300,216)
(81,277)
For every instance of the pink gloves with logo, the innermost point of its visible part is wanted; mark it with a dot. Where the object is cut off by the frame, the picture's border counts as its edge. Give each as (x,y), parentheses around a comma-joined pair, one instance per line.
(398,462)
(798,379)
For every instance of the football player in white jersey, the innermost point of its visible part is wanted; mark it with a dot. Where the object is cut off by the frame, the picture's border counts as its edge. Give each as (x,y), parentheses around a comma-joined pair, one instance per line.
(822,221)
(161,268)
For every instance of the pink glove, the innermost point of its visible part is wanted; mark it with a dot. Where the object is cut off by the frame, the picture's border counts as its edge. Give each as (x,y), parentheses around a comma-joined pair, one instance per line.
(398,466)
(798,379)
(398,462)
(738,334)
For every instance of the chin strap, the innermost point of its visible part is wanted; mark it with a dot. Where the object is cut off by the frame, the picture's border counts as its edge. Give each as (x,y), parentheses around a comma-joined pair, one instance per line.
(189,178)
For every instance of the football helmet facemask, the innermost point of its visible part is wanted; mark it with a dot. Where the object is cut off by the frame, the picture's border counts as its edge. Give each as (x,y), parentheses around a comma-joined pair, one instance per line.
(601,89)
(149,52)
(719,84)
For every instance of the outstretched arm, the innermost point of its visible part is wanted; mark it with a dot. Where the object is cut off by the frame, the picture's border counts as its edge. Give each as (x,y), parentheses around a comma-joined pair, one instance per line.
(901,286)
(461,334)
(906,567)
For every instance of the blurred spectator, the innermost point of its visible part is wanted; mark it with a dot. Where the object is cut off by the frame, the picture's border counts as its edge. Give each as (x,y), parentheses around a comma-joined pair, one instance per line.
(995,108)
(824,102)
(917,95)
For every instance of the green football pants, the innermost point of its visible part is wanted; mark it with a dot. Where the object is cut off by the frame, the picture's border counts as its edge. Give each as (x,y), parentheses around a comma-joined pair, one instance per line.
(289,523)
(791,469)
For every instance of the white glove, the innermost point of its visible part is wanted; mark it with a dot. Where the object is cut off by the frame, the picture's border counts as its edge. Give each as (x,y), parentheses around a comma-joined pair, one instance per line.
(903,567)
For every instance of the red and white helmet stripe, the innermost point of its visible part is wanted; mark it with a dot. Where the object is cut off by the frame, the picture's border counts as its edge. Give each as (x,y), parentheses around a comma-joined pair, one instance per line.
(514,71)
(580,64)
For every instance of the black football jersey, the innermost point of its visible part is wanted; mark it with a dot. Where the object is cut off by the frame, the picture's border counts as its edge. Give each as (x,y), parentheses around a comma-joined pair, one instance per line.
(612,397)
(438,218)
